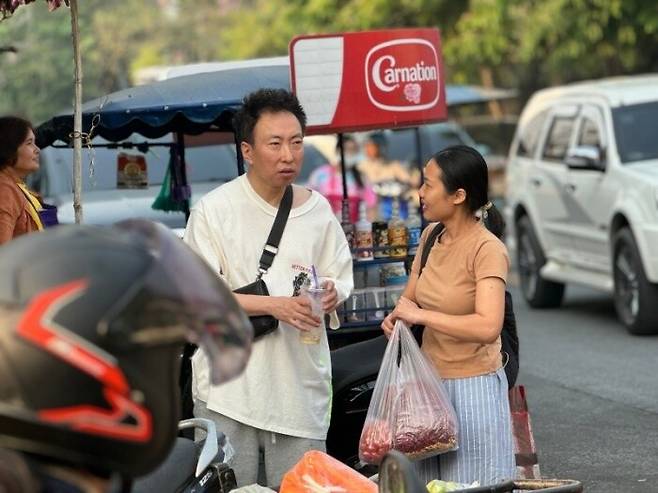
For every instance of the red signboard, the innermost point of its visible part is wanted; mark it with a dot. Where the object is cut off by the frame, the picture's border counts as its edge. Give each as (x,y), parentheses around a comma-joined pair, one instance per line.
(367,80)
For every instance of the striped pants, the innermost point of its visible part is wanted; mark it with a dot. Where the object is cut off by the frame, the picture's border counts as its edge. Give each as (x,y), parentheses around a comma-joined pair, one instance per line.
(486,450)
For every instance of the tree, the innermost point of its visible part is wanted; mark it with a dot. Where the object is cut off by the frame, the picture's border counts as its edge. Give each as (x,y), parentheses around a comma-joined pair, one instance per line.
(265,27)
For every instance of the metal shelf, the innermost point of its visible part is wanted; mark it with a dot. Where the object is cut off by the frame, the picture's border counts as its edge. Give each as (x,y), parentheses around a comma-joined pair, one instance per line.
(383,260)
(367,325)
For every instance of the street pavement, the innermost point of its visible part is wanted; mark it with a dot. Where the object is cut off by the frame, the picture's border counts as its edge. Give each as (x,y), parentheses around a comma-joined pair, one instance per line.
(592,391)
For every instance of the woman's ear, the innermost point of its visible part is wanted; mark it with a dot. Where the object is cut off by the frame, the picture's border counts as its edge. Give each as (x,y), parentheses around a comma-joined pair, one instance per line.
(459,196)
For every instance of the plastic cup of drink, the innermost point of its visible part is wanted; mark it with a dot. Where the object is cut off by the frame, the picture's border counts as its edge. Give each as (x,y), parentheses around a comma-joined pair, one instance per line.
(315,295)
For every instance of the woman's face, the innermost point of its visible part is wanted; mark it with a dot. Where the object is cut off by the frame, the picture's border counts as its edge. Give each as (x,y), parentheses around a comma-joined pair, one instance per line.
(27,156)
(437,203)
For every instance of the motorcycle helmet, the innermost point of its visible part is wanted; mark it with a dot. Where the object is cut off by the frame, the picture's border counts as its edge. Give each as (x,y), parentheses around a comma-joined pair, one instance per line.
(92,325)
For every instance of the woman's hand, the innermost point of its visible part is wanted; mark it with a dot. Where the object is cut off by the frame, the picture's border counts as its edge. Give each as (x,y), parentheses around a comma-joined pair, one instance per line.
(388,324)
(407,311)
(293,310)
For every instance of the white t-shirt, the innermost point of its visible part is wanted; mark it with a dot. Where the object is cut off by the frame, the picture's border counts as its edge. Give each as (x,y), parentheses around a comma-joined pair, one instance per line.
(286,387)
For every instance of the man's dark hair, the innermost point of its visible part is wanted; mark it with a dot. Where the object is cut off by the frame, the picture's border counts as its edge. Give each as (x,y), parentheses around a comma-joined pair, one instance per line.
(265,101)
(13,131)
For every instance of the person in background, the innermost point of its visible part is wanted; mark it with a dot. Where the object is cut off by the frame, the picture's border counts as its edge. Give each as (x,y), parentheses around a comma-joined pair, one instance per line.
(389,179)
(19,157)
(328,180)
(460,300)
(280,407)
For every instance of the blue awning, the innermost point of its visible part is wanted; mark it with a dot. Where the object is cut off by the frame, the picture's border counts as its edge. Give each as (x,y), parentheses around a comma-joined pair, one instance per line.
(190,104)
(194,104)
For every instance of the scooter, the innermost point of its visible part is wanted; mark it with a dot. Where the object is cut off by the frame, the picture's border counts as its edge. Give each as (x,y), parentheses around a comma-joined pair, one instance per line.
(192,467)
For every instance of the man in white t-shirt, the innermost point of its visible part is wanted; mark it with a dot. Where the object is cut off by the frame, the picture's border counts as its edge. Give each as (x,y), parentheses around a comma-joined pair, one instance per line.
(281,405)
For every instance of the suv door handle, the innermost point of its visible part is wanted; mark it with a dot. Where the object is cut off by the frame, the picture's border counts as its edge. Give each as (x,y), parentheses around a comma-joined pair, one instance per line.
(570,187)
(536,182)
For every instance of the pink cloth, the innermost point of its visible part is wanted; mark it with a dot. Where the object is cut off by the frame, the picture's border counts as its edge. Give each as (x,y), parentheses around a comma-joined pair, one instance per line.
(328,181)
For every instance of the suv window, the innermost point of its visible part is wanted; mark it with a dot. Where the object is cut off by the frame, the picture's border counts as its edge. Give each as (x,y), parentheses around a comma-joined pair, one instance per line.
(635,131)
(529,134)
(558,138)
(589,133)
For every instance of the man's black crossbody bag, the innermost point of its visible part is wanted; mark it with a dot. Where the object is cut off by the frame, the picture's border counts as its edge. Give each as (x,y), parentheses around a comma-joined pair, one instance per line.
(508,336)
(264,324)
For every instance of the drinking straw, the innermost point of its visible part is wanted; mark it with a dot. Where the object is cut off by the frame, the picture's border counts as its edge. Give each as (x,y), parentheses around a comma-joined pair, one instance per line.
(315,277)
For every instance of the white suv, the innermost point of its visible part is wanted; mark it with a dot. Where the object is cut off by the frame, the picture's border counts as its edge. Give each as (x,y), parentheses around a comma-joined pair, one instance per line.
(582,195)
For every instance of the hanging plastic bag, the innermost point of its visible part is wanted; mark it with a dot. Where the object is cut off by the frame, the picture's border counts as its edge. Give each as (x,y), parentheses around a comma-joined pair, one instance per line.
(410,410)
(318,472)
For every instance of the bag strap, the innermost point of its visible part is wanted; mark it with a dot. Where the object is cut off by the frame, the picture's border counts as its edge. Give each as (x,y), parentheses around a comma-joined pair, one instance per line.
(272,245)
(427,246)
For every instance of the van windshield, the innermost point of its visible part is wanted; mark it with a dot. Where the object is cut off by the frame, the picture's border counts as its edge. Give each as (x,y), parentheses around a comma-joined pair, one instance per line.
(216,163)
(635,131)
(205,164)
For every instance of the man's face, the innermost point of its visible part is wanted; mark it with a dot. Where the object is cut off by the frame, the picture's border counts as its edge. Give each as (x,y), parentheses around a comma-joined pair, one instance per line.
(277,154)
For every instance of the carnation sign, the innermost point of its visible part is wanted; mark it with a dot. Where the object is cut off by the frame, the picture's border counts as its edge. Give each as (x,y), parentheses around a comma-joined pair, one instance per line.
(366,80)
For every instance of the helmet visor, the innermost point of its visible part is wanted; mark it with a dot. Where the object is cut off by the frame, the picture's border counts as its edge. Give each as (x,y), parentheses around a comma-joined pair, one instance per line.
(180,298)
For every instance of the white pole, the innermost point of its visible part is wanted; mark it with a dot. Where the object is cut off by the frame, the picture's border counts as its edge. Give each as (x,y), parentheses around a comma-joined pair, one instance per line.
(77,115)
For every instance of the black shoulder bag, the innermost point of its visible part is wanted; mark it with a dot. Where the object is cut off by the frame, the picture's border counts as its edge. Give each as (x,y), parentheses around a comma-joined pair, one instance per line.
(264,324)
(508,336)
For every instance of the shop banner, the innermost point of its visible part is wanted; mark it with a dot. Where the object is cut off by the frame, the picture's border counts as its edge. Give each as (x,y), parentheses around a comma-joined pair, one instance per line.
(366,80)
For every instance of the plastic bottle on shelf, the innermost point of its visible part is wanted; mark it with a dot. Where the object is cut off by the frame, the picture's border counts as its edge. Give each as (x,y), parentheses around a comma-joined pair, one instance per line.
(397,233)
(364,240)
(414,228)
(348,227)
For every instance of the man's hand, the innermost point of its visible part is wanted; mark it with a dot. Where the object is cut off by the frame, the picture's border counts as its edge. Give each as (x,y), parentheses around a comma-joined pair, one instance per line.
(330,298)
(295,311)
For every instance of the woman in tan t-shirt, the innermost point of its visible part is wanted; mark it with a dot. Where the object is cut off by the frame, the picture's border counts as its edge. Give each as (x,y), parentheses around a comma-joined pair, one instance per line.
(460,299)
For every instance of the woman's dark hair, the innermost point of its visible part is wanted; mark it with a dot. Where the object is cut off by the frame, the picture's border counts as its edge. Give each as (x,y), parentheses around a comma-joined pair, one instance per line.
(263,101)
(356,174)
(464,167)
(380,140)
(13,131)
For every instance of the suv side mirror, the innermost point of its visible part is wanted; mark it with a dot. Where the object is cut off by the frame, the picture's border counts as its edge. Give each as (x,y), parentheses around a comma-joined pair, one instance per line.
(585,158)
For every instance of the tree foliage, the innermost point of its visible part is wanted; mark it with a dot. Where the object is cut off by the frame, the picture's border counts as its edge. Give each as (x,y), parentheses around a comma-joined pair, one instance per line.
(525,44)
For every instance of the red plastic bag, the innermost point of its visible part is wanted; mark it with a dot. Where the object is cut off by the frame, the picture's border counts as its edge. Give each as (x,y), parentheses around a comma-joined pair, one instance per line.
(410,410)
(318,472)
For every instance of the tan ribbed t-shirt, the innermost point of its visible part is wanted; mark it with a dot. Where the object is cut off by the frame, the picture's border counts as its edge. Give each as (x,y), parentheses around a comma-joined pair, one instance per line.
(447,284)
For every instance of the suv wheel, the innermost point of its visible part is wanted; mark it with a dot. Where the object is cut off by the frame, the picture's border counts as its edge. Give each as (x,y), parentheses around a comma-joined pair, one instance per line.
(635,297)
(538,292)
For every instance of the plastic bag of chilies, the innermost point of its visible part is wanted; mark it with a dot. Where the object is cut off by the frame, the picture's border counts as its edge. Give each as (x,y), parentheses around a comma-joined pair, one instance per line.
(410,410)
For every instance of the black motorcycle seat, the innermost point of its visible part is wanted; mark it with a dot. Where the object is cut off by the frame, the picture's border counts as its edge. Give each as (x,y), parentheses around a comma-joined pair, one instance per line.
(357,361)
(174,472)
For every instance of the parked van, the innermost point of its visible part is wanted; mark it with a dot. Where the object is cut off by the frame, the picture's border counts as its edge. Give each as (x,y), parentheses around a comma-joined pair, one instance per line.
(582,195)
